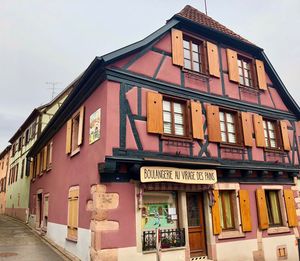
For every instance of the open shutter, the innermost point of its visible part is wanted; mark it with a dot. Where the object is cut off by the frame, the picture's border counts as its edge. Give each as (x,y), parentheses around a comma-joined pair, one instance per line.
(213,59)
(69,136)
(285,136)
(261,75)
(259,131)
(197,124)
(45,158)
(215,211)
(81,125)
(245,210)
(232,65)
(154,113)
(262,209)
(177,47)
(247,129)
(38,163)
(213,123)
(290,207)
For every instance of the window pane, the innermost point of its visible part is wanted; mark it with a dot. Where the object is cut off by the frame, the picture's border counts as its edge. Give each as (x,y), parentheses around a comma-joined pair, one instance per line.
(179,129)
(177,107)
(178,118)
(247,83)
(221,212)
(273,143)
(231,138)
(239,63)
(167,128)
(223,136)
(167,116)
(187,64)
(230,128)
(166,106)
(222,125)
(195,57)
(221,116)
(241,81)
(229,118)
(186,44)
(270,125)
(195,48)
(228,210)
(272,134)
(187,54)
(196,67)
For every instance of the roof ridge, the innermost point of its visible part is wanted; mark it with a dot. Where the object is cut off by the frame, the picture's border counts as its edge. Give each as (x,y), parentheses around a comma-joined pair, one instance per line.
(191,13)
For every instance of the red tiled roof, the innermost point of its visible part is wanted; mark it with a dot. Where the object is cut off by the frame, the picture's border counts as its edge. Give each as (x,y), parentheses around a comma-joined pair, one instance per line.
(196,16)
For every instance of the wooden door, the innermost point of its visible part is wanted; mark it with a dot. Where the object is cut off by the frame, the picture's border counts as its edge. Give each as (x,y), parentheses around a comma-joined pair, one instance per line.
(196,224)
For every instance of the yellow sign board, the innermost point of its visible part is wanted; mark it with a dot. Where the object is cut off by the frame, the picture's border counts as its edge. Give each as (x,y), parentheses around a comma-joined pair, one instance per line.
(186,176)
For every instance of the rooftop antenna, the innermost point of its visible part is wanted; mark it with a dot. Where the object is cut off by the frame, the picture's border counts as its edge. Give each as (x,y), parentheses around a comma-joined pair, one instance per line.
(53,88)
(205,7)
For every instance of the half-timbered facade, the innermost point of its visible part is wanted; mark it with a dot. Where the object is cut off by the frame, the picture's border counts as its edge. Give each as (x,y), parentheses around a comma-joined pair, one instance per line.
(182,145)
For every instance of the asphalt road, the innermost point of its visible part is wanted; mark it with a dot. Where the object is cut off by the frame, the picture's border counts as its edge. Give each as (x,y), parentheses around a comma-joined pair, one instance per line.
(17,242)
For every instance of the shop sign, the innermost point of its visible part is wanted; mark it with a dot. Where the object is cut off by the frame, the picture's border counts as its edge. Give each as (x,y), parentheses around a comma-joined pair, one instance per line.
(186,176)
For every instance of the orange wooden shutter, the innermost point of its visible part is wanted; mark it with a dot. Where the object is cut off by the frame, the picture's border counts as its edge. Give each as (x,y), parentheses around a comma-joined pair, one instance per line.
(73,207)
(247,130)
(261,75)
(262,209)
(285,136)
(259,131)
(213,59)
(38,162)
(81,125)
(177,47)
(290,207)
(69,136)
(197,124)
(232,65)
(216,214)
(154,113)
(245,210)
(45,158)
(213,123)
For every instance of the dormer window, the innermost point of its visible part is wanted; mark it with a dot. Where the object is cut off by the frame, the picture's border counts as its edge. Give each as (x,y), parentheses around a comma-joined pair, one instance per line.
(245,71)
(193,55)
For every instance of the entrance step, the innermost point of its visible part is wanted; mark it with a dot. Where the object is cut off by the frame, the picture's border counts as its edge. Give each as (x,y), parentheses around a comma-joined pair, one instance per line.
(200,258)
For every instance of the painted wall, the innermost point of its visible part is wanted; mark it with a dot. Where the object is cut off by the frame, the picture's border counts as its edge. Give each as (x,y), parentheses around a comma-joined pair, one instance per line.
(4,168)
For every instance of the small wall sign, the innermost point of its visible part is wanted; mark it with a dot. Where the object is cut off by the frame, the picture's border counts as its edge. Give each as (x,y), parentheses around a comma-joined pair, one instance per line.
(95,120)
(187,176)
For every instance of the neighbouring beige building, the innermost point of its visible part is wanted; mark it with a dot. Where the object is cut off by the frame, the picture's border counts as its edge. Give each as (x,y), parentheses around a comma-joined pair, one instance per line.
(4,167)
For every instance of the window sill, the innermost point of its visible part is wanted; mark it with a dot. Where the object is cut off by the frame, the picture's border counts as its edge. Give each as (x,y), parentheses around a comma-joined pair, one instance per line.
(176,138)
(278,230)
(164,250)
(231,234)
(231,146)
(74,152)
(196,75)
(71,240)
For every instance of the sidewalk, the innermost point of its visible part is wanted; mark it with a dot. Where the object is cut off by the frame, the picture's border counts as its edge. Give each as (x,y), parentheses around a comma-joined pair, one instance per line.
(17,242)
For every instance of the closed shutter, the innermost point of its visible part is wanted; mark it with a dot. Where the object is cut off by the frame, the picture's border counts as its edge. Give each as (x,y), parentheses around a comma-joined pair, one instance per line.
(45,159)
(69,136)
(259,131)
(213,123)
(81,125)
(261,75)
(73,207)
(247,130)
(216,214)
(290,207)
(262,209)
(31,170)
(197,123)
(177,47)
(213,59)
(232,65)
(285,136)
(245,210)
(154,113)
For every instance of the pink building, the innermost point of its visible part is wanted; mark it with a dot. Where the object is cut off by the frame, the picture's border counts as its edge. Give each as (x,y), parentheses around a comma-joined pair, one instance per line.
(4,168)
(183,145)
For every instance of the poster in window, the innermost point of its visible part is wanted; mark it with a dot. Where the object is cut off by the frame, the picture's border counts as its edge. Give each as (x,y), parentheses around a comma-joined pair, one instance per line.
(95,120)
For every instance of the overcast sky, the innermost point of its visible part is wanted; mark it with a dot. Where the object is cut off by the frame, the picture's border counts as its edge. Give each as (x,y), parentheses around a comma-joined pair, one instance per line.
(54,41)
